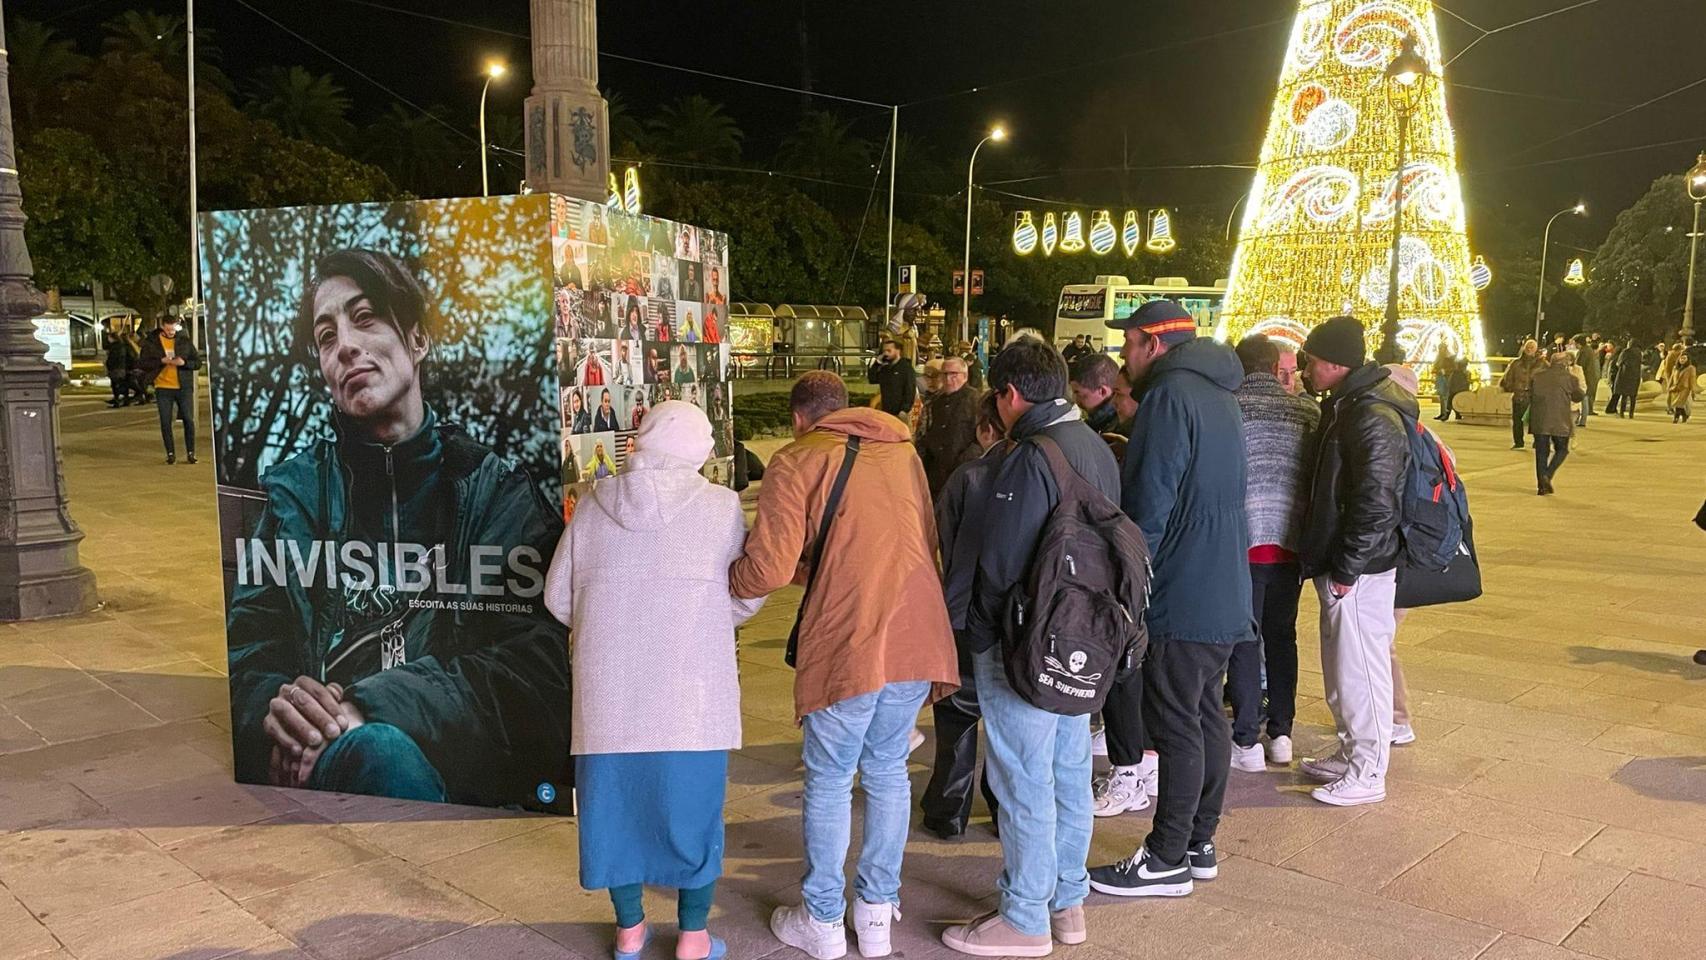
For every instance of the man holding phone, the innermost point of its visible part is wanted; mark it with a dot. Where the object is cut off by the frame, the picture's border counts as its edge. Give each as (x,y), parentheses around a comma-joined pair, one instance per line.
(169,360)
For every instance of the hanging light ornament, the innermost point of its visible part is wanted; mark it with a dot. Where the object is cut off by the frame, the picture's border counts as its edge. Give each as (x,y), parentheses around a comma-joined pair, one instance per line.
(1024,234)
(1072,236)
(1577,274)
(1160,232)
(631,190)
(1130,233)
(1051,234)
(1480,275)
(1102,236)
(614,199)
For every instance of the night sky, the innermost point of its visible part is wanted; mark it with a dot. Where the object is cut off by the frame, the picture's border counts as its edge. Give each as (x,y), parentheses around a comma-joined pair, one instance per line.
(1163,82)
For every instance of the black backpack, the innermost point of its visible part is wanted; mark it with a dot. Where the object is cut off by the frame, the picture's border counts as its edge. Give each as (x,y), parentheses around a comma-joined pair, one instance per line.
(1076,622)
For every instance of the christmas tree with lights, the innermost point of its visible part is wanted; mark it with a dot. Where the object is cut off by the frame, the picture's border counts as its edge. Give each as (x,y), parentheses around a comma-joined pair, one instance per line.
(1317,236)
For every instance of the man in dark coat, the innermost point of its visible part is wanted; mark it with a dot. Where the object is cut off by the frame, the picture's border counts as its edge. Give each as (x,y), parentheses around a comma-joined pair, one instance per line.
(897,382)
(1549,418)
(948,436)
(1516,383)
(169,361)
(1350,548)
(1626,380)
(1183,485)
(1587,354)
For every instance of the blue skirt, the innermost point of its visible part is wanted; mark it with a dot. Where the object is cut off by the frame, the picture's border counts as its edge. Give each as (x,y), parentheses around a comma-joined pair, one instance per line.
(651,818)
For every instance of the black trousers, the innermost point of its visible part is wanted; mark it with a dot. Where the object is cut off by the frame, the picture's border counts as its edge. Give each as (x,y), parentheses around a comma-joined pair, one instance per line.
(947,797)
(1274,592)
(1519,408)
(183,402)
(1182,708)
(1123,721)
(1549,454)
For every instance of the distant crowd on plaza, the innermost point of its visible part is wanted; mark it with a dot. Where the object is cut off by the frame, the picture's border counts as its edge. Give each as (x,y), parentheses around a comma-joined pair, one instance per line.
(942,542)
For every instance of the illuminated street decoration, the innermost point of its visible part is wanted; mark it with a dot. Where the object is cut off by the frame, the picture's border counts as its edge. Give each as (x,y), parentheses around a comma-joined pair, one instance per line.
(1072,234)
(1160,232)
(1051,234)
(1480,275)
(1024,234)
(631,190)
(1317,231)
(1577,274)
(614,199)
(1130,233)
(1102,237)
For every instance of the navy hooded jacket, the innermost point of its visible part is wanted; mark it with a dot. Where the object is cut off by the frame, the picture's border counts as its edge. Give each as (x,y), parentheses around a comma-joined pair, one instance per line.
(1183,485)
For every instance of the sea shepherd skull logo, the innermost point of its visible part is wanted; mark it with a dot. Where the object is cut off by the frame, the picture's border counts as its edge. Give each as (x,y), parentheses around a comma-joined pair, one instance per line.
(1073,668)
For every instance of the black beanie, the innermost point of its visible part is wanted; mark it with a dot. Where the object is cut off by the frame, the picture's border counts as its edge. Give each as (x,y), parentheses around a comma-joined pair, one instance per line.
(1339,340)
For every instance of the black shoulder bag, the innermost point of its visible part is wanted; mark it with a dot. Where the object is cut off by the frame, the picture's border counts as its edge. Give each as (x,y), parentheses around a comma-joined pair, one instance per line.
(829,508)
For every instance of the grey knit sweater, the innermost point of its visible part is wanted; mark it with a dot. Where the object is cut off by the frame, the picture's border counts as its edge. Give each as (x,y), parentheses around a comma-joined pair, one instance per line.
(1279,445)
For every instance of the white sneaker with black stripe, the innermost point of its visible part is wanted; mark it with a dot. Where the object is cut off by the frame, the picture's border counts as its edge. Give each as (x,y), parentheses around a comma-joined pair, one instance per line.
(1142,876)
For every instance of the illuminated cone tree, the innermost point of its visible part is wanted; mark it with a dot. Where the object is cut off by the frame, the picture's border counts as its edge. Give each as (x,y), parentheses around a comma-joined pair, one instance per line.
(1317,235)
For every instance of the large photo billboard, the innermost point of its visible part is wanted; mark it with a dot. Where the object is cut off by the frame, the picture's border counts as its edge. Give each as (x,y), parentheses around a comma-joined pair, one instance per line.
(387,418)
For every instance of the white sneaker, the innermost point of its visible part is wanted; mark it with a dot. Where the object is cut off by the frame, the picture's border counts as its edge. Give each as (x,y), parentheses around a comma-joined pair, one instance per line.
(1279,750)
(1150,772)
(1099,742)
(1120,791)
(1403,733)
(914,740)
(871,923)
(1325,769)
(1343,793)
(796,927)
(1249,759)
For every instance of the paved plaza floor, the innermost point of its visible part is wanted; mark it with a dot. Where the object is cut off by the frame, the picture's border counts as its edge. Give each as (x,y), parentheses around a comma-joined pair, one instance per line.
(1554,807)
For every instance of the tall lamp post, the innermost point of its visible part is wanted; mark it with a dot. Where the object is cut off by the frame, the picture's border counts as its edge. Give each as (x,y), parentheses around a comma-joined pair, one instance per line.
(997,133)
(1405,87)
(1579,210)
(494,70)
(40,575)
(1697,193)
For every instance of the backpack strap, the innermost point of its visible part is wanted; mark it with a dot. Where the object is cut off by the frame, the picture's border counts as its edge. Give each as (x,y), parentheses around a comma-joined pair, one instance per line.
(829,508)
(1066,479)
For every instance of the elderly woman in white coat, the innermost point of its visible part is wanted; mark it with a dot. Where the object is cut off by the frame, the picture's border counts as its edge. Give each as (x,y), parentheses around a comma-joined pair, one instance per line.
(656,694)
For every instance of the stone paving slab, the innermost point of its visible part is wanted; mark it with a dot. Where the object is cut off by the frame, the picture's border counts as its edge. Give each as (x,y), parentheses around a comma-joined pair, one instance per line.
(1553,809)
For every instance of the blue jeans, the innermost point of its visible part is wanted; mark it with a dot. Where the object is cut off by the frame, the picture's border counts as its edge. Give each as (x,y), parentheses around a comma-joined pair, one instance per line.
(379,760)
(868,734)
(1039,764)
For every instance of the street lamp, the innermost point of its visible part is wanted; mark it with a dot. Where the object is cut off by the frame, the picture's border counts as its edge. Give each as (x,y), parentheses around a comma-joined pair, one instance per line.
(494,71)
(1579,210)
(998,133)
(1405,87)
(1697,193)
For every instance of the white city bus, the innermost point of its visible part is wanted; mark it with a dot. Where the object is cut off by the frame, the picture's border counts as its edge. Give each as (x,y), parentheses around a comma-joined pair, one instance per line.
(1086,308)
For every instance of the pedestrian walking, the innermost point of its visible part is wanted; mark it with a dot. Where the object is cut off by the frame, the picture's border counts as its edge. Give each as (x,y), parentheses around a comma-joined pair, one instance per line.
(949,436)
(1039,762)
(656,701)
(1350,548)
(1516,380)
(1680,388)
(1183,483)
(169,360)
(1445,377)
(1279,439)
(896,381)
(947,797)
(1626,380)
(872,643)
(118,361)
(1587,355)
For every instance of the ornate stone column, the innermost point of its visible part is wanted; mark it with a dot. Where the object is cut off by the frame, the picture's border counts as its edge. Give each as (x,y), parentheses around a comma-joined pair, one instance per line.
(568,141)
(40,575)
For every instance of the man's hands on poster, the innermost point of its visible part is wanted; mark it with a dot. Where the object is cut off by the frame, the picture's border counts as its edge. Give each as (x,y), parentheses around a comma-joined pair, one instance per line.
(302,721)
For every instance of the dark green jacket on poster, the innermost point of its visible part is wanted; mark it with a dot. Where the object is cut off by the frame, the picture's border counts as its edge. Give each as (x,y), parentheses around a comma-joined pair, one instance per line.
(1183,485)
(484,693)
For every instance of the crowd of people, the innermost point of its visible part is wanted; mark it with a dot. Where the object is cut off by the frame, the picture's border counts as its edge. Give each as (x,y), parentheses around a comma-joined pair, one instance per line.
(912,548)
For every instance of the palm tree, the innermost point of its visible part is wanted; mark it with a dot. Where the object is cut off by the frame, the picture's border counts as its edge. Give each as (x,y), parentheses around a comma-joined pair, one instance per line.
(155,36)
(627,133)
(41,64)
(303,105)
(508,144)
(416,150)
(695,130)
(823,145)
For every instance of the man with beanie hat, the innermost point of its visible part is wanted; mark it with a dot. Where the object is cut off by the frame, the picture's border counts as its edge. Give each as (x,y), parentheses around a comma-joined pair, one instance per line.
(1350,547)
(1183,485)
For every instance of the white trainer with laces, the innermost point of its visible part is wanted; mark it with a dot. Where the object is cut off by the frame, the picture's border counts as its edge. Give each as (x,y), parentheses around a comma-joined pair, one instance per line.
(796,927)
(1119,792)
(1279,750)
(1325,769)
(871,925)
(1343,793)
(1249,759)
(1403,733)
(1150,772)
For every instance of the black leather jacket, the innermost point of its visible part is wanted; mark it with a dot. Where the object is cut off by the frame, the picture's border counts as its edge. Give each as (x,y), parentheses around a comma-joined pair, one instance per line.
(1354,509)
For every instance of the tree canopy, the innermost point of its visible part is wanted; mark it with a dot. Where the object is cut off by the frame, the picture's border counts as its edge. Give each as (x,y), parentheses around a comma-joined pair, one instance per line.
(1638,278)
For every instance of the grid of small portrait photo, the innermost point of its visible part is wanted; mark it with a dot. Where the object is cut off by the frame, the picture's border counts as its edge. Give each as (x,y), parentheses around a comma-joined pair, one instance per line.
(641,317)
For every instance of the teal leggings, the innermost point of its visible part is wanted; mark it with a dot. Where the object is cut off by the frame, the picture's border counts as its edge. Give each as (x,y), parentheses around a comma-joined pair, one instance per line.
(692,907)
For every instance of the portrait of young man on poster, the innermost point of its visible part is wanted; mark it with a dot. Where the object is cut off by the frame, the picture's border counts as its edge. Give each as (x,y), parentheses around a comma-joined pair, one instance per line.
(387,630)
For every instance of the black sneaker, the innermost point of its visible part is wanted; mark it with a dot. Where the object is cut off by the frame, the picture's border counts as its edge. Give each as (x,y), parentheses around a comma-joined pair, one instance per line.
(1142,876)
(1203,864)
(171,458)
(192,458)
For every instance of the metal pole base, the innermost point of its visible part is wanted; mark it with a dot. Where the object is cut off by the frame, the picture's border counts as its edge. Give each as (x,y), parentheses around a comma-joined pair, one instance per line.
(40,575)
